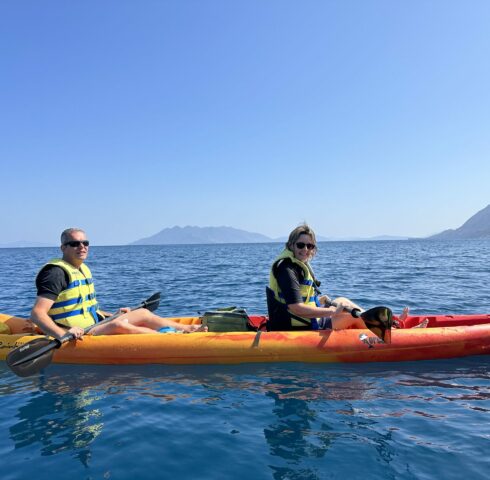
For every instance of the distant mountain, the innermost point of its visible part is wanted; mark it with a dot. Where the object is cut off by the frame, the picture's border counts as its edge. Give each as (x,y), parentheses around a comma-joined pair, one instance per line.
(202,235)
(386,237)
(478,226)
(24,244)
(196,235)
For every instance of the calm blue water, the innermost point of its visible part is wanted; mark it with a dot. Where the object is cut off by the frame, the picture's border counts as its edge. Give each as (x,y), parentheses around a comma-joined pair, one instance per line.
(285,421)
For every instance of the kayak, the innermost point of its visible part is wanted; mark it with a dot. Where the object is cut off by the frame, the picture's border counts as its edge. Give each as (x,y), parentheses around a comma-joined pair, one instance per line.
(420,337)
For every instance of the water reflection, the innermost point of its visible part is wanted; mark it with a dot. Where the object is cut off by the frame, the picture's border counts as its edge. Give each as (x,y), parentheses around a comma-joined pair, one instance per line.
(302,418)
(463,384)
(289,434)
(60,418)
(308,422)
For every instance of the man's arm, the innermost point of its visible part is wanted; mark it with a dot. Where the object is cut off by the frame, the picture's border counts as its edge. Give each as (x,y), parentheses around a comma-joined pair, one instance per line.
(50,282)
(39,315)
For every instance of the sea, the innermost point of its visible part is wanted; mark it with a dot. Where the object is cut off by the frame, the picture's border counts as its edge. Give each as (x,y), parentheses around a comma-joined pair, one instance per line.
(283,421)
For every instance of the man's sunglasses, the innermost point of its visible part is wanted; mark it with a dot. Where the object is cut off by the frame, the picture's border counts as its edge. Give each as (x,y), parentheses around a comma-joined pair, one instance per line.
(301,245)
(77,243)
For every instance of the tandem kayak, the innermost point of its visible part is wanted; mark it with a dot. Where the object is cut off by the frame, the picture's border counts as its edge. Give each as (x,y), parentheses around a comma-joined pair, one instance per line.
(442,336)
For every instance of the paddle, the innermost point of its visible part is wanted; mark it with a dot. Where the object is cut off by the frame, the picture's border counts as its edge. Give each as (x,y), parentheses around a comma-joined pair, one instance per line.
(378,319)
(33,356)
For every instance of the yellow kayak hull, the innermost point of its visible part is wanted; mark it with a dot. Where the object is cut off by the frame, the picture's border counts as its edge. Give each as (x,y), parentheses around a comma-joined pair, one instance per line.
(325,346)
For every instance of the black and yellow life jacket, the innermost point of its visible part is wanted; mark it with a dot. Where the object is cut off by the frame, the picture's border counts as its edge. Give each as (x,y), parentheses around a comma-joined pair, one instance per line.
(77,304)
(280,318)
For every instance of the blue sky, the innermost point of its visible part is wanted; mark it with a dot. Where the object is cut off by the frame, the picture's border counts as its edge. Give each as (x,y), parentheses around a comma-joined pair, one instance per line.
(360,117)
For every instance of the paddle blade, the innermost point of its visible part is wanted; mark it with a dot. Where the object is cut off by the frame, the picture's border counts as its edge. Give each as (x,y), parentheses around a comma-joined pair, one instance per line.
(151,303)
(379,320)
(32,357)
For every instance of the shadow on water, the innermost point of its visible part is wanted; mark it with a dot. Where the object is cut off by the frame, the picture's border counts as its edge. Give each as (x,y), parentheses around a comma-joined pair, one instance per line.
(308,411)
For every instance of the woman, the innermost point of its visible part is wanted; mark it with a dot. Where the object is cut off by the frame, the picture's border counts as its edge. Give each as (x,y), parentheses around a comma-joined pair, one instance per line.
(292,296)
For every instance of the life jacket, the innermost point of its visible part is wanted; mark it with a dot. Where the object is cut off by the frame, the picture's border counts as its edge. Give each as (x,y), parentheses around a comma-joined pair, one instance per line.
(76,305)
(280,318)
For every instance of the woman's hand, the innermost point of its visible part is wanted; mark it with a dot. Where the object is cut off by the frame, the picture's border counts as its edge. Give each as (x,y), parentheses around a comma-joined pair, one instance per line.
(339,312)
(325,300)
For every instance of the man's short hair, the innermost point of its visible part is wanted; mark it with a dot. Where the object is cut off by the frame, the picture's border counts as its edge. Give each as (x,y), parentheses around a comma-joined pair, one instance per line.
(66,234)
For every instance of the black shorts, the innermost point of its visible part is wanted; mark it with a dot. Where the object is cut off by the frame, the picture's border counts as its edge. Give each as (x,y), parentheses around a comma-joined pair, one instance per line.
(325,323)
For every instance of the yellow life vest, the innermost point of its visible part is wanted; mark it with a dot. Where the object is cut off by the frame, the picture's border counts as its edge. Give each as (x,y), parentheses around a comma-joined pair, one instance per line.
(307,288)
(76,305)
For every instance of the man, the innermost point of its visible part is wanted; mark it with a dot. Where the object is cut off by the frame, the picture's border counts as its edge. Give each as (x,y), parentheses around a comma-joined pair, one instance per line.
(66,300)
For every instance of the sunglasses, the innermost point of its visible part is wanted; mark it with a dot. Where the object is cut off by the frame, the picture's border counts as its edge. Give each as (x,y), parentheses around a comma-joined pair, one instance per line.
(301,245)
(77,243)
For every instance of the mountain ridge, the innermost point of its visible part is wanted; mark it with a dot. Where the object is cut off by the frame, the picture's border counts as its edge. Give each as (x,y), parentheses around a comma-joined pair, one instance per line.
(26,244)
(177,235)
(477,226)
(199,235)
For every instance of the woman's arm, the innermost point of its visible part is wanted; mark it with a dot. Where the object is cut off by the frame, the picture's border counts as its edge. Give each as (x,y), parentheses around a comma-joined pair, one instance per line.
(310,311)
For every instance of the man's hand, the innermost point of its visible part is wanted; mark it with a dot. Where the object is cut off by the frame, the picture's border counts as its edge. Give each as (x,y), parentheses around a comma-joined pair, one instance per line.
(77,332)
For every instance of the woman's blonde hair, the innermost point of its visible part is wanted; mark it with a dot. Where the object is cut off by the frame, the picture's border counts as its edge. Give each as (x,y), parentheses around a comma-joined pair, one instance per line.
(303,229)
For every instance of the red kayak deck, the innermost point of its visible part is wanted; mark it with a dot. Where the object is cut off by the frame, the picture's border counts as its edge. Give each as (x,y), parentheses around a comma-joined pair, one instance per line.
(436,321)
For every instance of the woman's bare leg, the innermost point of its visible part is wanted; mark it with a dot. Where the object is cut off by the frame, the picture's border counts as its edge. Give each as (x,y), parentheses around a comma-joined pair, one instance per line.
(348,303)
(343,320)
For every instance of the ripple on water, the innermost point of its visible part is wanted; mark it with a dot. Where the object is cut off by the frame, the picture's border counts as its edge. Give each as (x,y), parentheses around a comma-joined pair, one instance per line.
(419,420)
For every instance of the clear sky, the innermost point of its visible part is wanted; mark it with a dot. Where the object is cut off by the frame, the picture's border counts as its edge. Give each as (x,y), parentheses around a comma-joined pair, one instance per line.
(361,117)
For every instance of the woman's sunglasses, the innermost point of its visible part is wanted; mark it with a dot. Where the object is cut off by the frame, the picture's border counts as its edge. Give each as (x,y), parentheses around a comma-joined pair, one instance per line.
(77,243)
(301,245)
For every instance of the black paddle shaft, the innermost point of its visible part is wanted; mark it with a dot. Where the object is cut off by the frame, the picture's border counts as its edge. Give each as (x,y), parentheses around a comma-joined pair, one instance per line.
(33,356)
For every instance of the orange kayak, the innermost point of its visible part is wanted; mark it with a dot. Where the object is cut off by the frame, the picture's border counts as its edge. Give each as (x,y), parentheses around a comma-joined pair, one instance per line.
(438,336)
